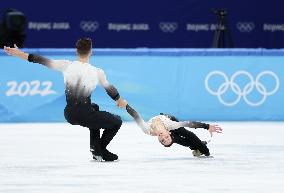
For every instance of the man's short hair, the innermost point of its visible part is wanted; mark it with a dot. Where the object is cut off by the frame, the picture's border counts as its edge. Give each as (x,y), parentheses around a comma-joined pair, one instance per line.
(84,46)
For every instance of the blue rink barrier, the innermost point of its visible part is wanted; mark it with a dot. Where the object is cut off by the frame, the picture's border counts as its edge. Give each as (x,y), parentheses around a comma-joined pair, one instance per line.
(193,84)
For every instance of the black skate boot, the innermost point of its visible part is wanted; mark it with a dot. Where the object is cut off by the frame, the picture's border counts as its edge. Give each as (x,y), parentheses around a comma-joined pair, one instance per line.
(97,153)
(204,142)
(208,153)
(197,153)
(108,156)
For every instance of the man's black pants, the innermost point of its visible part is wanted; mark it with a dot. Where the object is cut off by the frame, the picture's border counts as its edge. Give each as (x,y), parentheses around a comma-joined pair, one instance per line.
(89,115)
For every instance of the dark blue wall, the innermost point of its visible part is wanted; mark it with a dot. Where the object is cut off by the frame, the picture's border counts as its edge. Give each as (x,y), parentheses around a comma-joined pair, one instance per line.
(253,23)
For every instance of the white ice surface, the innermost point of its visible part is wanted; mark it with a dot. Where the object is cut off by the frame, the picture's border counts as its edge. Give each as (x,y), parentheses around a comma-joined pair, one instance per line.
(55,158)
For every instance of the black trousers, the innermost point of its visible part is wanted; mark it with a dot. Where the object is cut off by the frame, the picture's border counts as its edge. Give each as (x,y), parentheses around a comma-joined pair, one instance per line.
(89,115)
(188,139)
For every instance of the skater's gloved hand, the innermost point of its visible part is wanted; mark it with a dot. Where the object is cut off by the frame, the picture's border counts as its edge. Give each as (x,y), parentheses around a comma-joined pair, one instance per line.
(121,103)
(214,128)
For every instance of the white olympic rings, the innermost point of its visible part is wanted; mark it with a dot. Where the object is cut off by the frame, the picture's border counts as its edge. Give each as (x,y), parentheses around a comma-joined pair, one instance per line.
(248,88)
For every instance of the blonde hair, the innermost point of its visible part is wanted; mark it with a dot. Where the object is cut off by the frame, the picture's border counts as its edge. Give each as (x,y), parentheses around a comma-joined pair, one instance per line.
(155,126)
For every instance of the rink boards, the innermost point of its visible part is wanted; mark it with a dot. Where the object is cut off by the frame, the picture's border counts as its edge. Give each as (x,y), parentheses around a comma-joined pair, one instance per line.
(199,84)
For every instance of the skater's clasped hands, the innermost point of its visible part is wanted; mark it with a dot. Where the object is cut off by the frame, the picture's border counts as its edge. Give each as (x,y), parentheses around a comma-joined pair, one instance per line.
(121,103)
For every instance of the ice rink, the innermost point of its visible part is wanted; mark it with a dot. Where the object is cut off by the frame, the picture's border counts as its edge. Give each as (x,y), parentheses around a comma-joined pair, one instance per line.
(55,158)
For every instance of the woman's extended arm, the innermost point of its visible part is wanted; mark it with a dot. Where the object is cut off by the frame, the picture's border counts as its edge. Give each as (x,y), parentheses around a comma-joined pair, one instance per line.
(139,120)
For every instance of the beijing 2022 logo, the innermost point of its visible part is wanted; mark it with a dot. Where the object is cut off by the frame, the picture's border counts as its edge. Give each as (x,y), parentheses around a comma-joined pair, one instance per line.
(250,87)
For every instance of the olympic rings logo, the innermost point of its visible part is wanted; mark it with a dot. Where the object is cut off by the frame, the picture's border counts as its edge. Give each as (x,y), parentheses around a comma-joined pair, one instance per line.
(168,27)
(245,26)
(89,26)
(247,89)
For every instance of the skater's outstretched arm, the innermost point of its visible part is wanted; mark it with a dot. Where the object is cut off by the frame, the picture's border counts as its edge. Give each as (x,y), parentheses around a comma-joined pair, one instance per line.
(194,124)
(110,89)
(53,64)
(138,119)
(175,123)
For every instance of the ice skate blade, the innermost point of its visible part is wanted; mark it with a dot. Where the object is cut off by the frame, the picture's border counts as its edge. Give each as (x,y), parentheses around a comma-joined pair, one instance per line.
(204,157)
(112,161)
(103,161)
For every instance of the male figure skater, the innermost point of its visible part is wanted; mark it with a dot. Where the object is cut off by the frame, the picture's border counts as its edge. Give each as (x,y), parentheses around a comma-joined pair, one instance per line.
(81,79)
(169,130)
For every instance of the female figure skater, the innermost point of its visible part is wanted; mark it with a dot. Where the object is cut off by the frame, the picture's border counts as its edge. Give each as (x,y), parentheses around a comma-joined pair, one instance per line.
(169,130)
